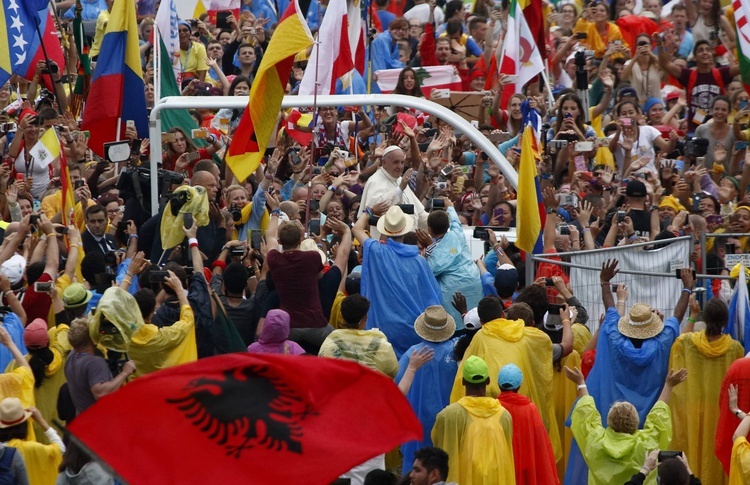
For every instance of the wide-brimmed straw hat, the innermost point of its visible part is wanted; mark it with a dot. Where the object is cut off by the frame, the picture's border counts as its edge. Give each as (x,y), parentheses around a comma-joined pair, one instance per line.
(435,325)
(395,223)
(640,323)
(12,412)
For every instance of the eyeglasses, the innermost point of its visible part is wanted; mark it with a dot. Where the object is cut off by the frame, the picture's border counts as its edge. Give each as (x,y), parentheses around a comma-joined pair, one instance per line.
(327,108)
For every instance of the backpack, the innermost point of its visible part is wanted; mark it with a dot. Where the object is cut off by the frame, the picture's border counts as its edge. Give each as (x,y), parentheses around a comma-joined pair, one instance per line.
(694,78)
(6,473)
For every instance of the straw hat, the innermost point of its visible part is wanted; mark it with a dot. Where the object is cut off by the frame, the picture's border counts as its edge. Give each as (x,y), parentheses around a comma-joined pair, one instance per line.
(435,325)
(395,223)
(641,322)
(12,412)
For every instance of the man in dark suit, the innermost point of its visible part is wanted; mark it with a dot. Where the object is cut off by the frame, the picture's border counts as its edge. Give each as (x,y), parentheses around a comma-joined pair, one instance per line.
(95,238)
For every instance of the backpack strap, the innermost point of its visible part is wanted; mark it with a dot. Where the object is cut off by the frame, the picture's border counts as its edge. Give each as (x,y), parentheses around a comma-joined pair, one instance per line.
(718,79)
(691,84)
(7,458)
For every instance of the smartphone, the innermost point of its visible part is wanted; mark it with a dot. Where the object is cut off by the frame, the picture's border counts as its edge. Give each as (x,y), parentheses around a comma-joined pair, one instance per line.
(122,226)
(740,145)
(581,35)
(256,238)
(696,203)
(627,122)
(20,176)
(200,133)
(665,455)
(157,276)
(548,282)
(187,219)
(743,104)
(715,219)
(43,286)
(679,166)
(446,171)
(580,162)
(61,230)
(614,288)
(677,273)
(407,208)
(511,79)
(130,124)
(621,216)
(584,146)
(481,233)
(79,183)
(9,127)
(499,137)
(168,138)
(438,204)
(193,156)
(314,227)
(221,19)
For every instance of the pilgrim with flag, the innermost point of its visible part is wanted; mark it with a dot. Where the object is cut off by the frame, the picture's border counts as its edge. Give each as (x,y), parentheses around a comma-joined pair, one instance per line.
(521,55)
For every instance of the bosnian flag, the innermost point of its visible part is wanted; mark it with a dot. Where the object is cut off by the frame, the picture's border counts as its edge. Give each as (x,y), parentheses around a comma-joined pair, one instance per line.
(520,55)
(741,16)
(429,78)
(332,58)
(739,307)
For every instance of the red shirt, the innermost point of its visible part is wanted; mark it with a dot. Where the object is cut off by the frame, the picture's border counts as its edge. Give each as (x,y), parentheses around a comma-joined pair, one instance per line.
(35,304)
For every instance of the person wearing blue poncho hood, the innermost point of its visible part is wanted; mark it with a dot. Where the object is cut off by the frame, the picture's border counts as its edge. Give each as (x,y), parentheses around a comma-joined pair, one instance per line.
(395,277)
(431,388)
(632,356)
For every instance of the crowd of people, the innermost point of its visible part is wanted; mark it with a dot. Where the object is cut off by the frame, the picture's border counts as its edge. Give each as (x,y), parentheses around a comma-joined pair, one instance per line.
(356,246)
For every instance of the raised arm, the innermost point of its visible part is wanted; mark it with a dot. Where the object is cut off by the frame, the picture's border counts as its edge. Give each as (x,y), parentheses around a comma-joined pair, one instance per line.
(688,283)
(53,252)
(550,228)
(7,341)
(417,359)
(609,271)
(673,379)
(272,231)
(665,58)
(12,299)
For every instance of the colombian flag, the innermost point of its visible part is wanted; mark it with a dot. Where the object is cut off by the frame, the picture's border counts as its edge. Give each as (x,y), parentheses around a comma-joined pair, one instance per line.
(259,119)
(530,213)
(116,92)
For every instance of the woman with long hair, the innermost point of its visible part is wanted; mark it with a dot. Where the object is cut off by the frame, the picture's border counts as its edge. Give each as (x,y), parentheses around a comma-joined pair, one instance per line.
(601,32)
(227,119)
(707,23)
(633,141)
(643,71)
(510,120)
(408,83)
(177,152)
(29,130)
(718,132)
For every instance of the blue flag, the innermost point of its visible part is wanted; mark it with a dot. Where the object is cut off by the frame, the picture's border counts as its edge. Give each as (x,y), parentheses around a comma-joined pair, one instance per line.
(739,311)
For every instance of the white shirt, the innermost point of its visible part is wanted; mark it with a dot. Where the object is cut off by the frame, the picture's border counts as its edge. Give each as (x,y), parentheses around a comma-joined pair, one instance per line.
(422,12)
(642,147)
(381,187)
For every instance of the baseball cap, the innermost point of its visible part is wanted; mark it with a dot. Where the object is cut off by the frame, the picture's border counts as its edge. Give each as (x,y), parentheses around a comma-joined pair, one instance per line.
(635,188)
(506,280)
(475,370)
(471,320)
(510,377)
(13,268)
(35,334)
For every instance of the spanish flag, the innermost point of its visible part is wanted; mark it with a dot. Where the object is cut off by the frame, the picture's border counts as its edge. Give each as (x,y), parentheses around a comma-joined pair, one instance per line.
(259,119)
(116,93)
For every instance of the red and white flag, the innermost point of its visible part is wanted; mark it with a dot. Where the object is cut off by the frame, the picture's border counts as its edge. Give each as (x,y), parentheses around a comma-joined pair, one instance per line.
(357,34)
(332,58)
(429,78)
(521,55)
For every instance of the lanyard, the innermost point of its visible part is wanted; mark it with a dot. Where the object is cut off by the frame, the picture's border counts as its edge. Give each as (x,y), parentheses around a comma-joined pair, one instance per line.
(183,65)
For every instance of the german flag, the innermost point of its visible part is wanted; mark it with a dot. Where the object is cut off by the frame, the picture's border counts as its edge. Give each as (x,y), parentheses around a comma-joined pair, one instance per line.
(259,119)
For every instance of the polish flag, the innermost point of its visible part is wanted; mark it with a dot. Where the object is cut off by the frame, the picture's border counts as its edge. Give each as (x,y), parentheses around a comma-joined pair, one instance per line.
(332,57)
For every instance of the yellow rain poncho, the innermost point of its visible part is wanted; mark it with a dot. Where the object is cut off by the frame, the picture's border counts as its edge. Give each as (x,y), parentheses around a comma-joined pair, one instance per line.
(565,395)
(120,308)
(581,337)
(54,377)
(695,404)
(196,204)
(501,342)
(615,457)
(477,434)
(739,470)
(367,347)
(42,461)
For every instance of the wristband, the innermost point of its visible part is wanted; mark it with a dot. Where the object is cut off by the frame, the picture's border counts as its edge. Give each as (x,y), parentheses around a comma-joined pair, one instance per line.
(193,242)
(269,175)
(51,234)
(688,291)
(369,212)
(276,212)
(132,235)
(586,229)
(220,264)
(5,293)
(581,386)
(332,187)
(691,319)
(737,413)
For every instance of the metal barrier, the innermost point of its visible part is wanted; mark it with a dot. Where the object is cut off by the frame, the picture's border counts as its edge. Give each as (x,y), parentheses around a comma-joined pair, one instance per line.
(217,102)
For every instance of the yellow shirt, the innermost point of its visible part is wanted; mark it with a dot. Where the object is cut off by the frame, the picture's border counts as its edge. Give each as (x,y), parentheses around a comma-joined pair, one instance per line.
(594,41)
(739,468)
(193,60)
(52,204)
(101,28)
(153,348)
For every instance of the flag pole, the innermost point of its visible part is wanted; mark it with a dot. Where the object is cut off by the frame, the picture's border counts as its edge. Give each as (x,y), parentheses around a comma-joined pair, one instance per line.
(369,37)
(315,133)
(157,64)
(46,60)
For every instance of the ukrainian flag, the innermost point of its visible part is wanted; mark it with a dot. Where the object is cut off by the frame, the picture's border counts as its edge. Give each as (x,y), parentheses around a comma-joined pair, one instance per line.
(116,93)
